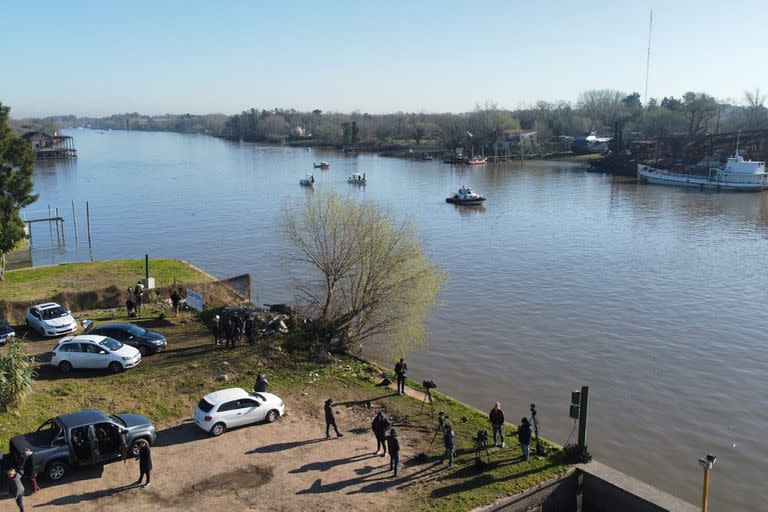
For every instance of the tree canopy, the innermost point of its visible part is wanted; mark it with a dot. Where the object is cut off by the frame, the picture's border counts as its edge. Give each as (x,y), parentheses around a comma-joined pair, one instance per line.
(368,278)
(16,165)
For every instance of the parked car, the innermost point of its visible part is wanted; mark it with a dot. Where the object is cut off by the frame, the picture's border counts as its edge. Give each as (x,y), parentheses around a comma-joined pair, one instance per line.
(50,319)
(6,332)
(235,407)
(82,439)
(93,351)
(146,341)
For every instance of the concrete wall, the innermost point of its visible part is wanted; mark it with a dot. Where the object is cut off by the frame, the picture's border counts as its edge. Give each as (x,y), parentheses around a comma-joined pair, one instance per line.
(592,487)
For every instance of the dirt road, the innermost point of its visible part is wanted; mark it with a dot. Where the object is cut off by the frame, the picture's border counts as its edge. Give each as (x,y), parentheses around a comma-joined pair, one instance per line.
(286,465)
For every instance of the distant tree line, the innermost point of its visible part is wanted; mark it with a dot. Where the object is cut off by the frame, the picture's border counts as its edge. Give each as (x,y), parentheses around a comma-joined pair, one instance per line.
(602,110)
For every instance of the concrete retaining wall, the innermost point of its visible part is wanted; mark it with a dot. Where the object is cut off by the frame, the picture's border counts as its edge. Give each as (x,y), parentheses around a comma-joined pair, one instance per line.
(592,487)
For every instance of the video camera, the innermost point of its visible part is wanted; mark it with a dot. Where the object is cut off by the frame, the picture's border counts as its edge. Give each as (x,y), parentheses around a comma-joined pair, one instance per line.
(429,384)
(481,439)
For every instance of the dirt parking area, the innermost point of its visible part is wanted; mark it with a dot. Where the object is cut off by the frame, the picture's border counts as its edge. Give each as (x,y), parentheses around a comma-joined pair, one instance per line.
(286,465)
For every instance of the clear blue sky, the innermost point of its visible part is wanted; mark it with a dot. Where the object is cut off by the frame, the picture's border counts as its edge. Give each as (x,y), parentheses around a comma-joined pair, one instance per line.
(99,58)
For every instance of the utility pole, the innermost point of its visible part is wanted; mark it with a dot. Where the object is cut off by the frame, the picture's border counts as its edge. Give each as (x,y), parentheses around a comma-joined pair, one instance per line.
(583,421)
(648,60)
(707,463)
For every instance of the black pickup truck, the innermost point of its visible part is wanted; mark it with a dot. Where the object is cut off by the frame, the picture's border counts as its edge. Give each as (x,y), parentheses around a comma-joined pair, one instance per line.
(82,439)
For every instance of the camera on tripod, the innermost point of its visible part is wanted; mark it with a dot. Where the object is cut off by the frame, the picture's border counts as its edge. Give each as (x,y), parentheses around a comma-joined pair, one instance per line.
(428,384)
(481,439)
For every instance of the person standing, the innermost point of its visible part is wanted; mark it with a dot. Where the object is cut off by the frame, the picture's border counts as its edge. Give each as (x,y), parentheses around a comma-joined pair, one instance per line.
(379,425)
(394,451)
(145,463)
(175,301)
(524,436)
(261,384)
(497,423)
(250,329)
(330,420)
(15,488)
(449,440)
(28,469)
(216,330)
(138,294)
(401,372)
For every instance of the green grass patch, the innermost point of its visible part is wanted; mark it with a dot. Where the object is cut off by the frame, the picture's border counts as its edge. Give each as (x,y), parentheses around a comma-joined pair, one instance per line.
(41,282)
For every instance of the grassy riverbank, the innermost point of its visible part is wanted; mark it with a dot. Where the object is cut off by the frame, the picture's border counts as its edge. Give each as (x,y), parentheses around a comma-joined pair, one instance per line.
(165,387)
(40,282)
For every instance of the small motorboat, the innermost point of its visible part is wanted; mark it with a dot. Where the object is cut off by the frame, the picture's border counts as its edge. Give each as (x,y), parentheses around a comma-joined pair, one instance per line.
(476,160)
(307,181)
(465,196)
(357,178)
(322,165)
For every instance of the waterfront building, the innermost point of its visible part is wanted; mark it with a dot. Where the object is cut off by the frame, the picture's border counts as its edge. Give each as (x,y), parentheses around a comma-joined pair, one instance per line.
(48,146)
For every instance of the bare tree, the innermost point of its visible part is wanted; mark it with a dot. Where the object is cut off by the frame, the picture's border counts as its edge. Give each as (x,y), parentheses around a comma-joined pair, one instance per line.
(603,106)
(375,281)
(699,109)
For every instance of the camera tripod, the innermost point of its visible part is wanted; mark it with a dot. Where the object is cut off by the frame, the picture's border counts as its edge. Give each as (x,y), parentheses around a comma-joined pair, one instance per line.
(441,417)
(428,398)
(480,445)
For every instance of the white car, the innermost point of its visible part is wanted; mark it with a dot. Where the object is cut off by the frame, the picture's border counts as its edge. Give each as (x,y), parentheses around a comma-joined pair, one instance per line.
(50,319)
(235,407)
(93,351)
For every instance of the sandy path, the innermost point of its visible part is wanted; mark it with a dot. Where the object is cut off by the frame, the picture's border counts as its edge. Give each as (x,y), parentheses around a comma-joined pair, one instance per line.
(286,465)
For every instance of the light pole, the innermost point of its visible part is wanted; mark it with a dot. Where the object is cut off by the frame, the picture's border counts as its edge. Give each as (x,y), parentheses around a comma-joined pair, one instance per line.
(707,463)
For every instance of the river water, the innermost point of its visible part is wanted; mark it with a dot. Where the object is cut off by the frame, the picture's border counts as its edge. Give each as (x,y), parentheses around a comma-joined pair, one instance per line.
(654,297)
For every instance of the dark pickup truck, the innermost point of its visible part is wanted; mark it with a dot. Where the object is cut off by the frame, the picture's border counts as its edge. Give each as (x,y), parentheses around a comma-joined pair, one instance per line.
(82,439)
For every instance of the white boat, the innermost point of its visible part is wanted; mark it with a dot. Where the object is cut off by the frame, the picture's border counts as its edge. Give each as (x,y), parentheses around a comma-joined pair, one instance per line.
(357,178)
(307,181)
(465,196)
(476,160)
(735,174)
(322,165)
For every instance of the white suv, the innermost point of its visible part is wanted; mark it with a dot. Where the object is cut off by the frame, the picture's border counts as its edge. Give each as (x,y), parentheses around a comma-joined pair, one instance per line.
(235,407)
(92,351)
(50,319)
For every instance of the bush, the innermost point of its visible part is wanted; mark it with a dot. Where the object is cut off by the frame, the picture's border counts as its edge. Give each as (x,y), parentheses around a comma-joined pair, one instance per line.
(16,373)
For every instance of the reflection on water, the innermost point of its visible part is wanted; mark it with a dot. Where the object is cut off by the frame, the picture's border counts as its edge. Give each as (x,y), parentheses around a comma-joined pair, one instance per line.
(652,296)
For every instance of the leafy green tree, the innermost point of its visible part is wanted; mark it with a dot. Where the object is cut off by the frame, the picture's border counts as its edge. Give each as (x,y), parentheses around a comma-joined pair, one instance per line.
(367,278)
(16,373)
(16,165)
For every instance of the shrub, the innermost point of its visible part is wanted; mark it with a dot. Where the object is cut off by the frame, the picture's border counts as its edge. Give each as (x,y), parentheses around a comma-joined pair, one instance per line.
(16,373)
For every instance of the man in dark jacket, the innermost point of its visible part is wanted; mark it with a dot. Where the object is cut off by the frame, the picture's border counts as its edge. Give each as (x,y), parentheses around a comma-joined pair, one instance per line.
(145,463)
(524,436)
(28,469)
(449,440)
(330,420)
(261,384)
(401,372)
(394,450)
(379,425)
(497,423)
(15,488)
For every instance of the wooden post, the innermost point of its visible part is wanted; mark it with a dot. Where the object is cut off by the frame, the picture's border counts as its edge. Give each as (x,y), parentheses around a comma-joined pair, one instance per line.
(62,224)
(88,221)
(50,228)
(146,267)
(705,494)
(583,420)
(74,221)
(57,224)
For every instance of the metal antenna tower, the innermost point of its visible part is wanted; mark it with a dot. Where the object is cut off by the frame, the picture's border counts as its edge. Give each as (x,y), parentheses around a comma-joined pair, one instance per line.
(648,59)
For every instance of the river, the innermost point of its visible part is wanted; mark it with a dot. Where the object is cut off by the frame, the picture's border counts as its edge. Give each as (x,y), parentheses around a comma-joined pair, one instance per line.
(652,296)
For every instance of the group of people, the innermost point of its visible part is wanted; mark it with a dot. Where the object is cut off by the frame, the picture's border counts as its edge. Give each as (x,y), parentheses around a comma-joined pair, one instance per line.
(233,327)
(496,417)
(135,297)
(21,474)
(24,471)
